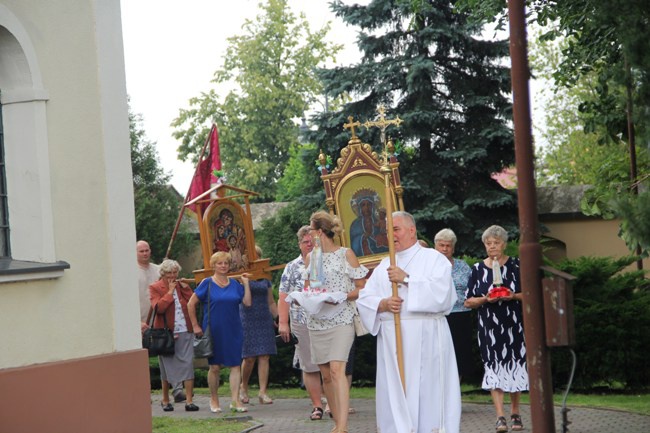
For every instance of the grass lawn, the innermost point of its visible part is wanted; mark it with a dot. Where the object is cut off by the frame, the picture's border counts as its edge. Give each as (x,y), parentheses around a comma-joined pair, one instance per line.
(637,403)
(162,424)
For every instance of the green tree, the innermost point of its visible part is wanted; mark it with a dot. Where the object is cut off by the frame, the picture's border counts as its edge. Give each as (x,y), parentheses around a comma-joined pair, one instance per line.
(156,202)
(635,214)
(430,67)
(301,176)
(611,51)
(270,69)
(570,155)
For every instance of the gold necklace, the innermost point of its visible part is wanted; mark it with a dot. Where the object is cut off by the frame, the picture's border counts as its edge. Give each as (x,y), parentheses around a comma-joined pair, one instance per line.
(218,283)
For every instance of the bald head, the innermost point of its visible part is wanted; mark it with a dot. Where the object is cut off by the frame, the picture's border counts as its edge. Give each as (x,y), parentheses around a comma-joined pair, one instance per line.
(144,253)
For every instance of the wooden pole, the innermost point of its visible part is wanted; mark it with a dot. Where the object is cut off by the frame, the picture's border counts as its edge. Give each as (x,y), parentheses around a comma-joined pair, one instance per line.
(530,250)
(187,196)
(391,254)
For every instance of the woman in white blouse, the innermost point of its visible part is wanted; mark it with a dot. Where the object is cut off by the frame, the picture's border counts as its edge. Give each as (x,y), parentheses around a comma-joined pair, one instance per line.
(332,334)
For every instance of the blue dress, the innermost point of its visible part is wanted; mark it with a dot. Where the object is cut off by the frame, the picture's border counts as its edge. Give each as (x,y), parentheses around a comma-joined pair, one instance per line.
(259,332)
(225,324)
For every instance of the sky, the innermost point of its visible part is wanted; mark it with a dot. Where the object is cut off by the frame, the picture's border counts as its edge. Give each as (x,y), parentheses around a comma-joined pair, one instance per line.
(173,47)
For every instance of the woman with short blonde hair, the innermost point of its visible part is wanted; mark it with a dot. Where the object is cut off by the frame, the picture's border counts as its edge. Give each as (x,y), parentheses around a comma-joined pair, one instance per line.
(224,295)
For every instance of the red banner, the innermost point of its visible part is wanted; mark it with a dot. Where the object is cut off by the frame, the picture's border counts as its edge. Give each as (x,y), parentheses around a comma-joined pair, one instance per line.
(204,176)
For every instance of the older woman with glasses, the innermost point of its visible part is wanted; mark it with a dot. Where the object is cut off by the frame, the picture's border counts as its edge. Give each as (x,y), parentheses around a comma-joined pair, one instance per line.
(460,318)
(169,297)
(500,325)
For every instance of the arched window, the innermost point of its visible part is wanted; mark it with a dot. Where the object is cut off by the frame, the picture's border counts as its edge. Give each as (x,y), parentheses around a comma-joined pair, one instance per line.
(27,221)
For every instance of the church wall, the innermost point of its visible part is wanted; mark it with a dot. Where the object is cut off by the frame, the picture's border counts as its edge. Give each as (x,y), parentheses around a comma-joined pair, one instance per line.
(72,341)
(101,394)
(94,305)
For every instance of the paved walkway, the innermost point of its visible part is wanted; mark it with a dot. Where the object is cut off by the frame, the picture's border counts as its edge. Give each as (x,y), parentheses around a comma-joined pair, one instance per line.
(291,416)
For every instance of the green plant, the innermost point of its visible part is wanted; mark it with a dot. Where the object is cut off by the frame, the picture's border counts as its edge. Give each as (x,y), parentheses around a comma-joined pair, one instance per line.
(183,425)
(612,316)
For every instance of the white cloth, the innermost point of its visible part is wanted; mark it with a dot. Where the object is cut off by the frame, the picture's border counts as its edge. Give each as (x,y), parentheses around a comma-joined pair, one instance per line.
(339,277)
(432,400)
(319,305)
(146,277)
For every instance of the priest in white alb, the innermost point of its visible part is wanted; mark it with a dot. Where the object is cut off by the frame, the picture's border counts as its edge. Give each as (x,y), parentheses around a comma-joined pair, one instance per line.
(431,402)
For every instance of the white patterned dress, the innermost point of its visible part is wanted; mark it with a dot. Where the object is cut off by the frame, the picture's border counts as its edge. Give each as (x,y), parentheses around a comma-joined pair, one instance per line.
(500,330)
(339,276)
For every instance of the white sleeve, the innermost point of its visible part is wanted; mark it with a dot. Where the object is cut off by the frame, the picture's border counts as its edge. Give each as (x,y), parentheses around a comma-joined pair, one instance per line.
(433,290)
(370,297)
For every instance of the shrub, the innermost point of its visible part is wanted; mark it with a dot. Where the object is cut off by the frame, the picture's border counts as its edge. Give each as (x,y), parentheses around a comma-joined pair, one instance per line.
(612,318)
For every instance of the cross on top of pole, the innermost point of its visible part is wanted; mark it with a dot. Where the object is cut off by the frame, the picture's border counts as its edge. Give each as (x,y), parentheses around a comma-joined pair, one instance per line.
(351,125)
(382,123)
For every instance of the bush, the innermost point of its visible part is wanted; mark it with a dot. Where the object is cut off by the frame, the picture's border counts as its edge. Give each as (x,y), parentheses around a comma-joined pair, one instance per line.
(612,318)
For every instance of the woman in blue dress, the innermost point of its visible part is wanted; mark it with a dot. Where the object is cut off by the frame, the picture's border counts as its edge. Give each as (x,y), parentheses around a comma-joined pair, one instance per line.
(225,295)
(500,327)
(259,336)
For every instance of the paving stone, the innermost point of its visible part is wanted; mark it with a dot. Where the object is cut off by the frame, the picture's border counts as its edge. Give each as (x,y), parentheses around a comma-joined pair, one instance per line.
(292,416)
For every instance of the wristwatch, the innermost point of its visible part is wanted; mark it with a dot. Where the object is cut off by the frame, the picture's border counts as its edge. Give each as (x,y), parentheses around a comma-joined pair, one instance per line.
(406,279)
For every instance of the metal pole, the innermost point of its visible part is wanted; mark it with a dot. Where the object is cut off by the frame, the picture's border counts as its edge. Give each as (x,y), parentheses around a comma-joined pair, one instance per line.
(537,354)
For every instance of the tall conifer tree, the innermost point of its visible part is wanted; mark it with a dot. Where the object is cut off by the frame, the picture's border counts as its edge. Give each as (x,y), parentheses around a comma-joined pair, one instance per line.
(426,63)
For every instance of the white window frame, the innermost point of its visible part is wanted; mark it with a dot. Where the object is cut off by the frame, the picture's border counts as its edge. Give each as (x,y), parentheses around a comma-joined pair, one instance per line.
(24,111)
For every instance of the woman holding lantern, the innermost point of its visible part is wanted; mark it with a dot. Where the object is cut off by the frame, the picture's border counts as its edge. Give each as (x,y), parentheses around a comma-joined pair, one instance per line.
(494,290)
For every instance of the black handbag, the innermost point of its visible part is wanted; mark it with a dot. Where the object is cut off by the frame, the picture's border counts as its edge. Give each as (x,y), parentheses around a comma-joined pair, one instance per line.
(203,344)
(158,341)
(293,340)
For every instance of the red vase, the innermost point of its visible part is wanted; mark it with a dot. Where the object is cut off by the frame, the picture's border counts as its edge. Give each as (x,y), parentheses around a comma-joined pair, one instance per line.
(498,292)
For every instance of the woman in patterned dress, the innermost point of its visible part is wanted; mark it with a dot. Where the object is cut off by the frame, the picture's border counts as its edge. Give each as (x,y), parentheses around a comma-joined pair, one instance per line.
(332,337)
(259,336)
(500,327)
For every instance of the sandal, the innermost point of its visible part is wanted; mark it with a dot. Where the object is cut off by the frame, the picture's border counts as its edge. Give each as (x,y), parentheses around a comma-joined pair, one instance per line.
(517,425)
(501,425)
(316,414)
(243,397)
(167,407)
(237,409)
(265,399)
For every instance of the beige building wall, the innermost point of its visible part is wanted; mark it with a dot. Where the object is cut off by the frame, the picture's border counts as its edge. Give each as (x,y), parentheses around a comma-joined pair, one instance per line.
(588,237)
(71,336)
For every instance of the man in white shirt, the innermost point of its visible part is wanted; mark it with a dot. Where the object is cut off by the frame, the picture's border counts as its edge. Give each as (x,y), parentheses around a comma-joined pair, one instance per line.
(148,273)
(431,401)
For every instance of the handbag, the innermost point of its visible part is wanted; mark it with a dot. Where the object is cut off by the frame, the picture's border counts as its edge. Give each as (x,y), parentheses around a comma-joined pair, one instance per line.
(158,341)
(359,329)
(293,340)
(203,344)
